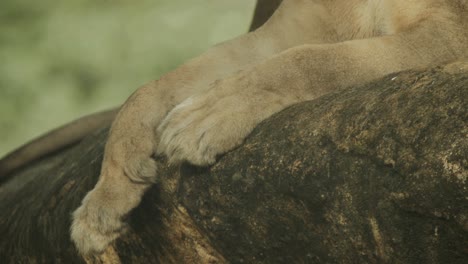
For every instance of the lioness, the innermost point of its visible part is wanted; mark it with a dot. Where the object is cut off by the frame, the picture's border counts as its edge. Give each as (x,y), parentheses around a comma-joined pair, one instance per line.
(211,103)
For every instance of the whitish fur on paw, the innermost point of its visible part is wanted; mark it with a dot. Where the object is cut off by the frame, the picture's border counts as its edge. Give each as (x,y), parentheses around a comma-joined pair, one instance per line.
(198,130)
(94,228)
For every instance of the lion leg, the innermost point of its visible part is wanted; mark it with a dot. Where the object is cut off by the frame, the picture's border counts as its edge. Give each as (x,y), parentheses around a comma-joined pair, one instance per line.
(218,120)
(128,168)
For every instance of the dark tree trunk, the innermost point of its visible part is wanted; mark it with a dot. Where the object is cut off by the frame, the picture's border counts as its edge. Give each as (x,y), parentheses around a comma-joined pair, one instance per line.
(371,174)
(263,12)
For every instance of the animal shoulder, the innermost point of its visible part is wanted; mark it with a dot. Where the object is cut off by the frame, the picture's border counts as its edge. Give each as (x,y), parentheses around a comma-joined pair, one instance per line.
(355,19)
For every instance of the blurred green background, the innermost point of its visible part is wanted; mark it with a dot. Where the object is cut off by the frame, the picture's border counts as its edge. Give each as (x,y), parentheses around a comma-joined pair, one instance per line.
(63,59)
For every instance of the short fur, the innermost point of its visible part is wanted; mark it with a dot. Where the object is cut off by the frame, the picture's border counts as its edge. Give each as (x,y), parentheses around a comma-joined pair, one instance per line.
(209,105)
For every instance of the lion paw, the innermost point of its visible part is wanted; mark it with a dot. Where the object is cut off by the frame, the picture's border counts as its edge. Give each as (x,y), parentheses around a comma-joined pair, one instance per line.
(202,127)
(94,228)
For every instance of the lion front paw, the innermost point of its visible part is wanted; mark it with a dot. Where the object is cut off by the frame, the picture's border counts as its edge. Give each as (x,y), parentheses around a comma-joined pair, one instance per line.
(94,227)
(203,127)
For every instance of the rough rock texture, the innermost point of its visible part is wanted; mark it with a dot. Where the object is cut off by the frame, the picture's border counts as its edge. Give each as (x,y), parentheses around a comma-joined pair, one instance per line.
(370,174)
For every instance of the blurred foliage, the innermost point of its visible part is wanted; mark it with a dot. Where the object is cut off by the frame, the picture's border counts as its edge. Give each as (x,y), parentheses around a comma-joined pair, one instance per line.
(64,59)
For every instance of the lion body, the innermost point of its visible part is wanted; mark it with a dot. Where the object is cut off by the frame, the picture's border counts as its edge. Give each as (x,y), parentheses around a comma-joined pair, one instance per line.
(208,105)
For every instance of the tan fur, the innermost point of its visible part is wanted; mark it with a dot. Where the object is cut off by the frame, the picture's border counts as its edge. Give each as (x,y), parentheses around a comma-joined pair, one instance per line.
(211,103)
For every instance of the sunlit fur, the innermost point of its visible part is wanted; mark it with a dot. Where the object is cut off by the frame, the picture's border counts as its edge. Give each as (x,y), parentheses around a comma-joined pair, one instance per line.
(209,105)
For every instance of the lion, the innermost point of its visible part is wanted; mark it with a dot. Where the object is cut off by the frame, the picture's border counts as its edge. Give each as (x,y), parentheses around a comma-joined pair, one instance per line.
(210,104)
